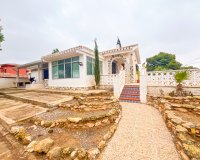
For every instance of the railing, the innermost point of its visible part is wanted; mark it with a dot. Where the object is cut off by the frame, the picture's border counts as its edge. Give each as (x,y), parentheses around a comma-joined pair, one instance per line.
(107,79)
(45,82)
(118,84)
(166,78)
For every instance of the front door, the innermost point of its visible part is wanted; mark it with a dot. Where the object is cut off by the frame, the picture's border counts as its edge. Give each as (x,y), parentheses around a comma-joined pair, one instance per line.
(114,67)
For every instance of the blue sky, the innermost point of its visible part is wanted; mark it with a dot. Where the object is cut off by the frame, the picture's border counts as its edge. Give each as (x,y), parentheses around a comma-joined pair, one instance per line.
(33,28)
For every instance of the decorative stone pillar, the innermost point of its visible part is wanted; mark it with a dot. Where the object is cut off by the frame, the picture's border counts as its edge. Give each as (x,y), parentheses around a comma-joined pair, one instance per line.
(109,66)
(143,85)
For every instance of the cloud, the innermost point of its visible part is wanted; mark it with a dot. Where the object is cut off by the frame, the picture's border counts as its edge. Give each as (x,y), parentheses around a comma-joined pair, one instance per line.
(33,28)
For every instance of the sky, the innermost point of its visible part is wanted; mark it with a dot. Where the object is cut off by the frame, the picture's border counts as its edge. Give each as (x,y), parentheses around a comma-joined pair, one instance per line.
(33,28)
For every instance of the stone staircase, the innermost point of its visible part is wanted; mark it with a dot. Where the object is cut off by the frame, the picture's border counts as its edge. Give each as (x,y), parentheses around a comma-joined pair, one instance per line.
(130,93)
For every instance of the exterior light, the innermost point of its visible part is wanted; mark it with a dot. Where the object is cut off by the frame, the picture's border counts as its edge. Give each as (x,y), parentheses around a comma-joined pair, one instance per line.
(80,63)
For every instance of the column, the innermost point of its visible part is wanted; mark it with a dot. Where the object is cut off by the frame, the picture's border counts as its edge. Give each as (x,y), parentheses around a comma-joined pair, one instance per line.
(143,85)
(17,76)
(39,74)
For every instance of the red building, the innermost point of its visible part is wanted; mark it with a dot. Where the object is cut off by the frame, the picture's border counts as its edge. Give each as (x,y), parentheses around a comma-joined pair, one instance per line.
(9,70)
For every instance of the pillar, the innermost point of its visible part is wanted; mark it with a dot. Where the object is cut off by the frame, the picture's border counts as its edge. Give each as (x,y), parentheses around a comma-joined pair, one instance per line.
(17,76)
(143,85)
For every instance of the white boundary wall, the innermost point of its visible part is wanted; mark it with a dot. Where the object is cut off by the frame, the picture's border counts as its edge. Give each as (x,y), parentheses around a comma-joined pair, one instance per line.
(164,80)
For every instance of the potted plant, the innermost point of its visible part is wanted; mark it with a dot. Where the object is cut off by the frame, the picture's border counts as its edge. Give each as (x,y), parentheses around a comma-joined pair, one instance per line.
(180,77)
(138,73)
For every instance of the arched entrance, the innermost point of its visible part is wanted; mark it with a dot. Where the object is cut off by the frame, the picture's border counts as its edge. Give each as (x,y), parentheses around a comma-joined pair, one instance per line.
(117,65)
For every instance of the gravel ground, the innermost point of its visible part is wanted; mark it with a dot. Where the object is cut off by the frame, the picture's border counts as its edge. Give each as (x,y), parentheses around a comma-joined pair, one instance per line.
(141,135)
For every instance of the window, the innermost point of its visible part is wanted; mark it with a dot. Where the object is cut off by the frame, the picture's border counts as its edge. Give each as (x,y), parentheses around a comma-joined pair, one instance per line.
(68,68)
(91,64)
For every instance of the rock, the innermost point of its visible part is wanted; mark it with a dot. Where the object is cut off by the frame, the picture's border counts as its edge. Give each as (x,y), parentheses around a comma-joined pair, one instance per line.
(74,119)
(107,136)
(98,123)
(30,147)
(113,128)
(53,125)
(192,150)
(55,153)
(105,121)
(188,125)
(181,110)
(44,145)
(179,128)
(92,153)
(33,127)
(47,124)
(90,125)
(175,105)
(111,112)
(102,144)
(81,153)
(42,123)
(67,150)
(73,154)
(184,156)
(27,139)
(50,130)
(177,120)
(23,135)
(15,129)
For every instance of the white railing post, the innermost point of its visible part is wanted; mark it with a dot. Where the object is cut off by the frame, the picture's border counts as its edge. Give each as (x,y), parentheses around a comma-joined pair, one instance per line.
(118,83)
(143,86)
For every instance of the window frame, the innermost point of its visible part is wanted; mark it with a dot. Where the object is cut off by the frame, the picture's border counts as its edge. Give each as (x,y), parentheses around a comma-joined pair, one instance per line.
(63,62)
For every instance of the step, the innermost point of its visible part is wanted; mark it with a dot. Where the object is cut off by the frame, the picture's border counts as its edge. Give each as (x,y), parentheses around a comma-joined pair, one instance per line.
(132,94)
(132,99)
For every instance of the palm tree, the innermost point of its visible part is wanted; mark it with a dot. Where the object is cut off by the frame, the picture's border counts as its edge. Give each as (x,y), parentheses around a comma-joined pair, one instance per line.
(1,37)
(55,50)
(180,77)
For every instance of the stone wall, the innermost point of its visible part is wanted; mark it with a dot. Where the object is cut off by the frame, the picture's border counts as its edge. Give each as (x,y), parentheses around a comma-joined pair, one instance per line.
(186,131)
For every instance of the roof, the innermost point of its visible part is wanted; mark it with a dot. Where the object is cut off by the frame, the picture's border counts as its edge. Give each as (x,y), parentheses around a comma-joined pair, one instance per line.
(75,51)
(30,64)
(9,64)
(123,50)
(126,48)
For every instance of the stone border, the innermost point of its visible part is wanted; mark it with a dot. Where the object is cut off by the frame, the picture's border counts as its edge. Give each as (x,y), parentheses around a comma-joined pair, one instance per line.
(183,131)
(78,122)
(45,145)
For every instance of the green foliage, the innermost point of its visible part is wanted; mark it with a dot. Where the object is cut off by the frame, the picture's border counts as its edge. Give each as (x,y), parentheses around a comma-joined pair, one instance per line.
(1,37)
(96,65)
(162,61)
(181,76)
(188,67)
(55,50)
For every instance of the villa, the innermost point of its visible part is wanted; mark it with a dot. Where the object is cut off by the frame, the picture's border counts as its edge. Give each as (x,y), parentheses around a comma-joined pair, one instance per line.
(74,67)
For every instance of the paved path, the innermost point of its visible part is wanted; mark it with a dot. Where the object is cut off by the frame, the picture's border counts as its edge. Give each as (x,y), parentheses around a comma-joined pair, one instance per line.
(141,135)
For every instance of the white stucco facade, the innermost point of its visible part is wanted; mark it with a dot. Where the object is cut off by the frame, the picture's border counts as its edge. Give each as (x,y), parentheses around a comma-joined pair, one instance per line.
(125,58)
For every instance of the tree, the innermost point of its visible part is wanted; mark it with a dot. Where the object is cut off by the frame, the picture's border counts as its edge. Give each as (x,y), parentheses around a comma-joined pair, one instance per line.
(96,65)
(163,61)
(180,77)
(55,50)
(1,37)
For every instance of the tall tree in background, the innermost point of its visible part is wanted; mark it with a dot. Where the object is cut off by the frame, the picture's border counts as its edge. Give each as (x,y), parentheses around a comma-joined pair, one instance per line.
(163,61)
(96,65)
